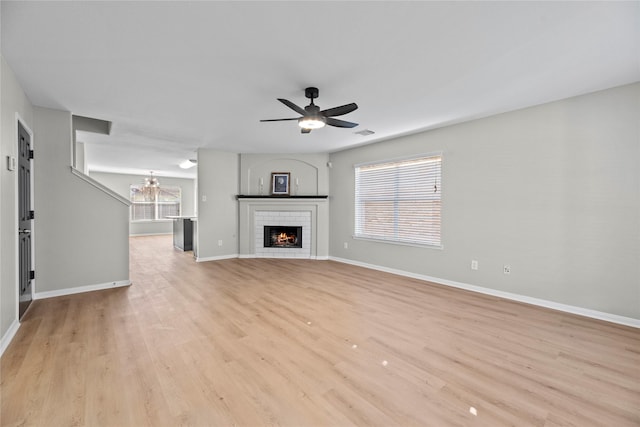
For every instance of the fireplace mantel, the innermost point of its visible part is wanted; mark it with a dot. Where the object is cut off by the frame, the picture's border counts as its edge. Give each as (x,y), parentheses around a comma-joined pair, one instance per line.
(262,196)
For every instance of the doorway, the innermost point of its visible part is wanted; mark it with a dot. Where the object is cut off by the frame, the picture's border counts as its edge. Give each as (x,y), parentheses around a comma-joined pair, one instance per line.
(26,273)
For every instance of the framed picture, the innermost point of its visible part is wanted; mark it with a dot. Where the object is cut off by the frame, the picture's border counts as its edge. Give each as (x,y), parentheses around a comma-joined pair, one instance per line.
(280,183)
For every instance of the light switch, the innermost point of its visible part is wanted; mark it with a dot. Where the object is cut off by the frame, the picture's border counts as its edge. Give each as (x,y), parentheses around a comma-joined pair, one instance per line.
(11,163)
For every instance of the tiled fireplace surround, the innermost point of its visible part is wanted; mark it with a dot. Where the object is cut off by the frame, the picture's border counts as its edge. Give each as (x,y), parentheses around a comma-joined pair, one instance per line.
(309,213)
(286,218)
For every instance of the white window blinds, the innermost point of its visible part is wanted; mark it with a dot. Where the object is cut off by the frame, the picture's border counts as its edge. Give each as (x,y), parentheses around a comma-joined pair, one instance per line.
(399,201)
(151,206)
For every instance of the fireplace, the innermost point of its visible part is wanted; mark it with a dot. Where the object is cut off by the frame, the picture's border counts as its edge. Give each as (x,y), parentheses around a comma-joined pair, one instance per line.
(284,212)
(279,236)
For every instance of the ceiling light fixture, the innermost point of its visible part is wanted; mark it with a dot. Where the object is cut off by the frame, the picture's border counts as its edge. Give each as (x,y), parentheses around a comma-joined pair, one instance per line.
(188,163)
(151,187)
(151,181)
(312,122)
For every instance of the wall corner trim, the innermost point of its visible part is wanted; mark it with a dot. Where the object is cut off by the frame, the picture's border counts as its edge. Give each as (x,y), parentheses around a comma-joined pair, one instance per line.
(580,311)
(8,336)
(81,289)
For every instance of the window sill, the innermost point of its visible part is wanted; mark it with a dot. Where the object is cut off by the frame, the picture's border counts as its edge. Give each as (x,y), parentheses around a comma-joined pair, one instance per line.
(395,242)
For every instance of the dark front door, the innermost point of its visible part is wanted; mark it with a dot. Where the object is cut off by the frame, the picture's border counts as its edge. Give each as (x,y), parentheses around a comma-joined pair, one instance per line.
(24,218)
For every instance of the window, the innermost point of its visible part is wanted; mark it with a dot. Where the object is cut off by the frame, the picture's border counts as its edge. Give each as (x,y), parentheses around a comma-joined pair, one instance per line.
(399,201)
(150,205)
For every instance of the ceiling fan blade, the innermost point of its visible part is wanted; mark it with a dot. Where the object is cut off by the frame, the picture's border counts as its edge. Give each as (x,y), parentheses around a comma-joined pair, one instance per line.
(340,123)
(339,111)
(303,130)
(293,106)
(277,120)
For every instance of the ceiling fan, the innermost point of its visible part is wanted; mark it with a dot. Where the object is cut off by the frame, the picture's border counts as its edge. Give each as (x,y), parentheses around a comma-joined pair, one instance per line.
(313,118)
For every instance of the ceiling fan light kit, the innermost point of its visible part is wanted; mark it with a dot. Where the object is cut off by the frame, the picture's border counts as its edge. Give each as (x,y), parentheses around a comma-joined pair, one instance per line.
(312,122)
(313,117)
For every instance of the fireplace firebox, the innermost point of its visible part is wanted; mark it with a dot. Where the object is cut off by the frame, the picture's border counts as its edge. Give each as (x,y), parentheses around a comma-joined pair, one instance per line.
(279,236)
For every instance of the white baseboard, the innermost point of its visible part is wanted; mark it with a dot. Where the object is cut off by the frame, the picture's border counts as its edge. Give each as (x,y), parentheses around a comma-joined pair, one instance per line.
(318,258)
(217,258)
(80,289)
(613,318)
(8,336)
(151,234)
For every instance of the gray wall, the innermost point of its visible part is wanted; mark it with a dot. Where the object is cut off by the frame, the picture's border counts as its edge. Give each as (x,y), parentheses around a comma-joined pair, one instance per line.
(553,191)
(81,232)
(309,173)
(218,182)
(12,101)
(120,183)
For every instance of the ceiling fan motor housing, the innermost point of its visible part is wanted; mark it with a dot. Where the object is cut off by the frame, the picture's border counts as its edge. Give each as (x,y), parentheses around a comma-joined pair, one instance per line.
(312,109)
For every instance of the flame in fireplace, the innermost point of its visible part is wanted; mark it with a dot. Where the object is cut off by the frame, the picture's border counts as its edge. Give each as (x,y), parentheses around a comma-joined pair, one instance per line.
(286,239)
(283,237)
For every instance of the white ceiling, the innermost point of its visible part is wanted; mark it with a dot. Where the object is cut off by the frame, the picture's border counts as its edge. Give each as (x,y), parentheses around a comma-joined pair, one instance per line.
(177,76)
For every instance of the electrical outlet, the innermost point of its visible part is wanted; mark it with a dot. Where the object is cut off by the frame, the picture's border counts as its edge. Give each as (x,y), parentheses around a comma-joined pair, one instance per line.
(474,264)
(204,198)
(346,245)
(219,242)
(507,269)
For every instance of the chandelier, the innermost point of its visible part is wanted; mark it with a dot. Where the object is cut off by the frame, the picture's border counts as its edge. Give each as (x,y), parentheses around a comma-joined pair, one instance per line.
(151,187)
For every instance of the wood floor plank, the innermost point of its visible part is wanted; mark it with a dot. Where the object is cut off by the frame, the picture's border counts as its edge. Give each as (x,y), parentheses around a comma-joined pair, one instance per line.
(289,342)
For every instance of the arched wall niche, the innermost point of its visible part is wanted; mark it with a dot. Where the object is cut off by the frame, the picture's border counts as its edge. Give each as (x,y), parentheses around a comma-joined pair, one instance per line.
(308,172)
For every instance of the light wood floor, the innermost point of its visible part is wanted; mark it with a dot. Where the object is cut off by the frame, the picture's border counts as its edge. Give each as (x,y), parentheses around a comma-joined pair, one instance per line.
(309,343)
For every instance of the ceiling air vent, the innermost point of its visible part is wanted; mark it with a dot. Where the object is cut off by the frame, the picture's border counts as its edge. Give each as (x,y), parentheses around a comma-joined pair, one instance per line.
(365,132)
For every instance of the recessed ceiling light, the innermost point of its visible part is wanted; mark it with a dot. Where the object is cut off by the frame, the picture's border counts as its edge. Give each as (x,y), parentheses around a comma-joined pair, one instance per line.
(365,132)
(188,163)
